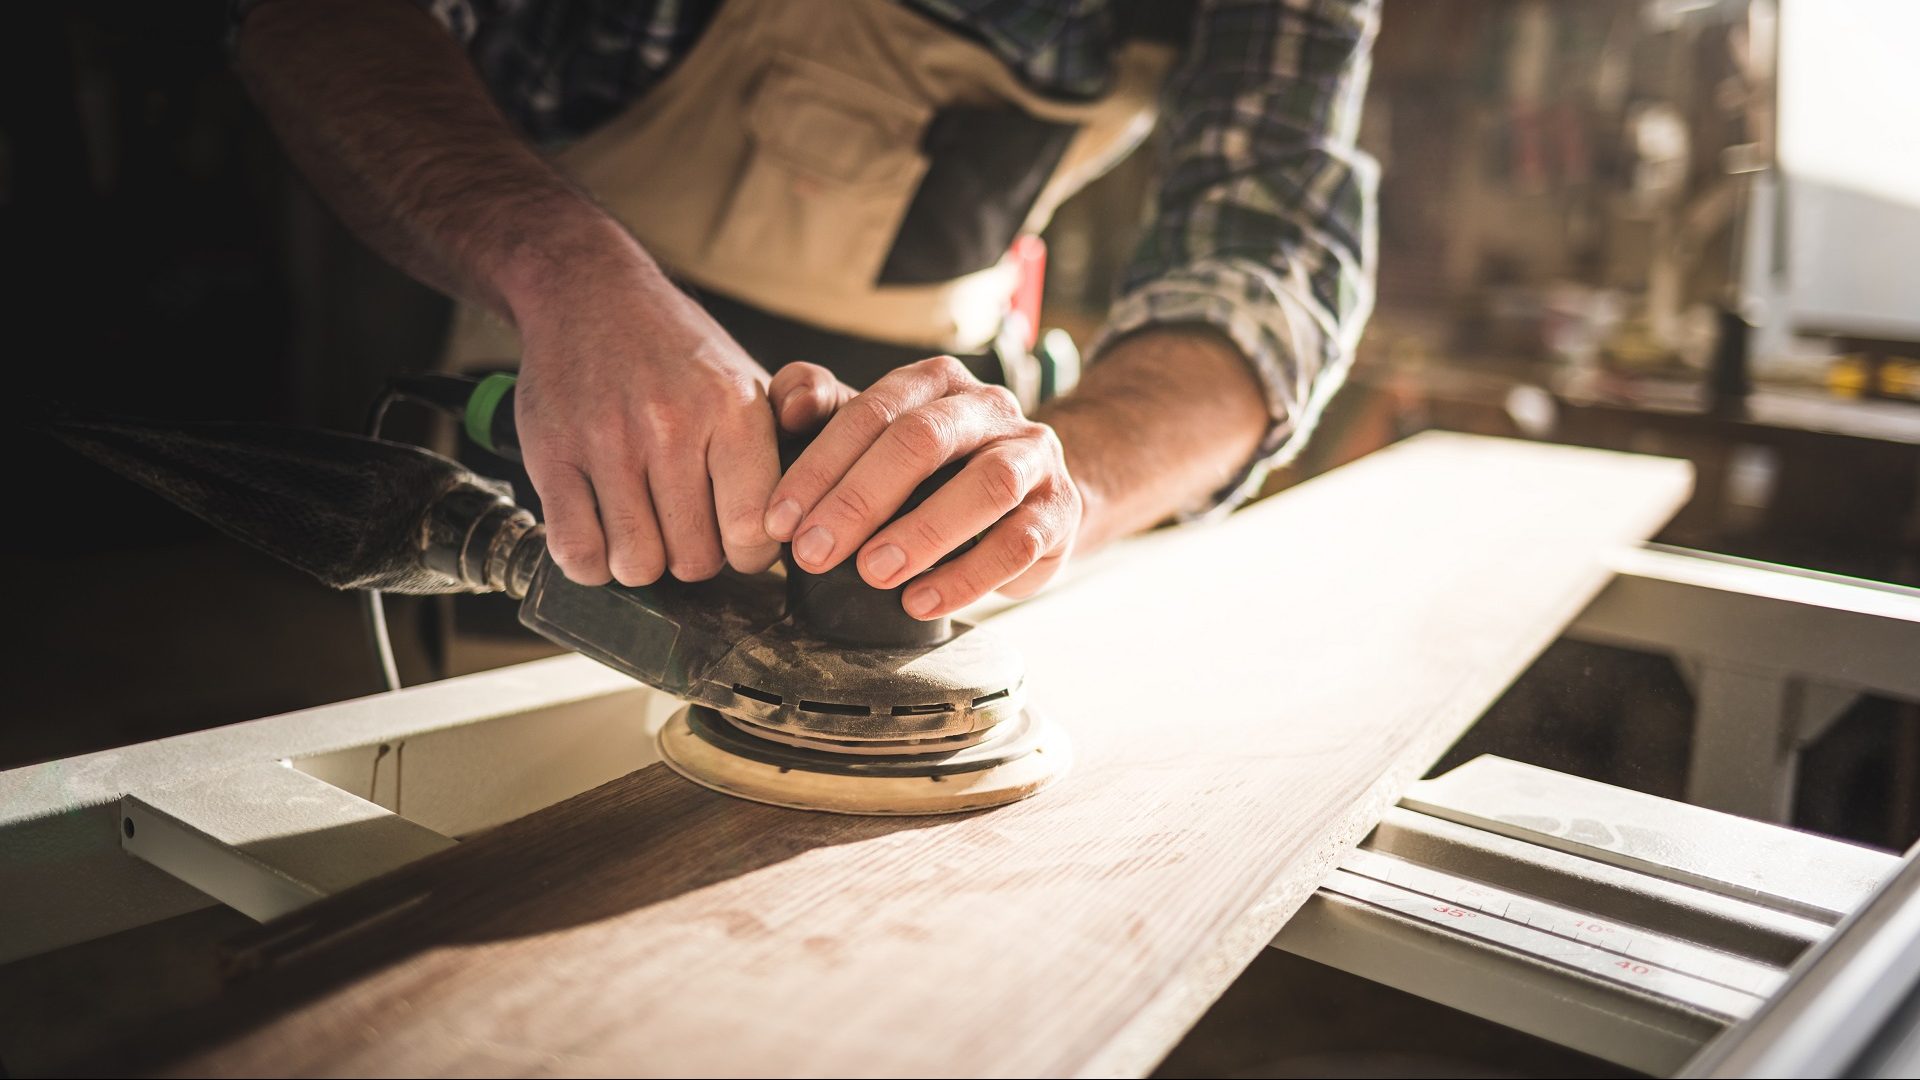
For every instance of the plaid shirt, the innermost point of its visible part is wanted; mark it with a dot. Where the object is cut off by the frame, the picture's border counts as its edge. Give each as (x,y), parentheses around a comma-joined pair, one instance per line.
(1264,225)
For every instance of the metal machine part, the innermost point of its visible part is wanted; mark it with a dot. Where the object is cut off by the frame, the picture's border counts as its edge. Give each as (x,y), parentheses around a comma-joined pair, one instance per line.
(479,538)
(1775,655)
(1626,926)
(1849,1007)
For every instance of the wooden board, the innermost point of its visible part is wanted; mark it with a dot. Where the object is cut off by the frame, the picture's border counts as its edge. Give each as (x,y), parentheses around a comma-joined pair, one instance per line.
(1245,699)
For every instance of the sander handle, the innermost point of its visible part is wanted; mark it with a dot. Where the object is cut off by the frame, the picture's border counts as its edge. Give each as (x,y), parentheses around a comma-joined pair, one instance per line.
(840,606)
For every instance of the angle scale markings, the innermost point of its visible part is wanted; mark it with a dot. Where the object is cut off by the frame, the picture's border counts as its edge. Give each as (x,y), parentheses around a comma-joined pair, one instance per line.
(1652,978)
(1699,961)
(1703,978)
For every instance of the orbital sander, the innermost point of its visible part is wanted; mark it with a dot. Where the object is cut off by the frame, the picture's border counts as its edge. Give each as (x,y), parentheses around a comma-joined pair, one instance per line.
(812,691)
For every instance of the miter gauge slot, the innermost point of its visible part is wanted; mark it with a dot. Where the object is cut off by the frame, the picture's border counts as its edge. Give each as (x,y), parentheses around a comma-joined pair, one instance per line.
(1721,984)
(1626,926)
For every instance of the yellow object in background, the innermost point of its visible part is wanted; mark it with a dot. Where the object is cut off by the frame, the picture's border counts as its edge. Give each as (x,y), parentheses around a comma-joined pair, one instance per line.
(1850,375)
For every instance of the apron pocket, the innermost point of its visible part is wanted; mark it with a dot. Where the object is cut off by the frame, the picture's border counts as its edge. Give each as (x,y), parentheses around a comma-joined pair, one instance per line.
(833,164)
(989,164)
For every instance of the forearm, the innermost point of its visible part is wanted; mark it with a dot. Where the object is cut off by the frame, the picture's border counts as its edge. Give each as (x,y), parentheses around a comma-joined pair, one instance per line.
(1163,421)
(1263,231)
(381,110)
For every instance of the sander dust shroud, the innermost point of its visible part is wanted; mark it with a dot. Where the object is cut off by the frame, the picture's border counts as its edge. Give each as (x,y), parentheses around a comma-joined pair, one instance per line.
(811,691)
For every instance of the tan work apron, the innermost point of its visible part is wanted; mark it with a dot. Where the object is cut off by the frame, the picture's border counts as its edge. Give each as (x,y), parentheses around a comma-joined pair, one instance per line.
(776,163)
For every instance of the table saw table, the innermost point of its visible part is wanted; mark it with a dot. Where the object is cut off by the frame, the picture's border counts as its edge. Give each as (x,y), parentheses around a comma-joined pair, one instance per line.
(491,874)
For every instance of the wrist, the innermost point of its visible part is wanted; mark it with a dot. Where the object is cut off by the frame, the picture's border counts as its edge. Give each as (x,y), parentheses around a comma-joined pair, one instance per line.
(564,254)
(1085,441)
(1161,422)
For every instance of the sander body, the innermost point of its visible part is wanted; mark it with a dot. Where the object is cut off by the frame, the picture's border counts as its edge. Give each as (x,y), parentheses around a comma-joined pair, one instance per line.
(814,691)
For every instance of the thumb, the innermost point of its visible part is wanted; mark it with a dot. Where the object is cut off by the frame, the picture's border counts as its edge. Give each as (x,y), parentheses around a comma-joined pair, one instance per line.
(805,396)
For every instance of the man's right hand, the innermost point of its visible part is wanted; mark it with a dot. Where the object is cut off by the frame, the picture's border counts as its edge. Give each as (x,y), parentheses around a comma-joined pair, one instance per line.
(645,428)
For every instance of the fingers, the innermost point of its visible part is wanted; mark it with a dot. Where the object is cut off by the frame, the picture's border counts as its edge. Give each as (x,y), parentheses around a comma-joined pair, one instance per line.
(635,553)
(745,465)
(854,427)
(990,486)
(1037,575)
(638,413)
(877,448)
(683,498)
(656,494)
(574,539)
(906,454)
(805,396)
(1039,532)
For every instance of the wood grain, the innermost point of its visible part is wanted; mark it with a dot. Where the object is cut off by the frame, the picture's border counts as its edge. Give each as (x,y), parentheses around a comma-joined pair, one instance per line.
(1245,699)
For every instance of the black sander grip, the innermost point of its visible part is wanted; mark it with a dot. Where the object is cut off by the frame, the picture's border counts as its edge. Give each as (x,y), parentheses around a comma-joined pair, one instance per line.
(841,607)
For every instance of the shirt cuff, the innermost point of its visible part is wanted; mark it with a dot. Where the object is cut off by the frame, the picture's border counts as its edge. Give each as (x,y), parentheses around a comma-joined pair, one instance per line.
(1298,359)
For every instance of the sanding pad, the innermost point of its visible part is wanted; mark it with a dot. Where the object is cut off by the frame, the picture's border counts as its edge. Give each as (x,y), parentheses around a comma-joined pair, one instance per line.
(1018,758)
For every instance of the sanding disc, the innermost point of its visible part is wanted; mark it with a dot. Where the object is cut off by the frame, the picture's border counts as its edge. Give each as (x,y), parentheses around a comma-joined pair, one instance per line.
(712,751)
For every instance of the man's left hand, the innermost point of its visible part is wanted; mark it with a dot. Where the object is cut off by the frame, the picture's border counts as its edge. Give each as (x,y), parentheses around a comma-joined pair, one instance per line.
(1014,492)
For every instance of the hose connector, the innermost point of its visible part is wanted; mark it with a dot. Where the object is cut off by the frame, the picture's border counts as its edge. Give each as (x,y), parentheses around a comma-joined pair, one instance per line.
(476,536)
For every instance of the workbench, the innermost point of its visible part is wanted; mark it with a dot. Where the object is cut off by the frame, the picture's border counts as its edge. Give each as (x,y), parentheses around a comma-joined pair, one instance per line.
(493,874)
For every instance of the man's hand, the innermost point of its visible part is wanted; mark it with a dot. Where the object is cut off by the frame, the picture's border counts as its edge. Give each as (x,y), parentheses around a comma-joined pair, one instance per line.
(645,429)
(644,426)
(1014,491)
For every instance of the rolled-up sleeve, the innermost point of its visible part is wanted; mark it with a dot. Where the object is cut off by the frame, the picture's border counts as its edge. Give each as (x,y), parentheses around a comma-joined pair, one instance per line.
(1264,223)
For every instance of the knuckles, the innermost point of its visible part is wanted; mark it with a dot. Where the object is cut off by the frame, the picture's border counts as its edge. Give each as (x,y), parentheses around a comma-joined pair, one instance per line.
(545,454)
(924,438)
(963,586)
(804,485)
(744,525)
(801,375)
(947,368)
(575,552)
(624,524)
(871,414)
(1023,546)
(927,538)
(665,424)
(1047,439)
(1001,400)
(1004,480)
(847,502)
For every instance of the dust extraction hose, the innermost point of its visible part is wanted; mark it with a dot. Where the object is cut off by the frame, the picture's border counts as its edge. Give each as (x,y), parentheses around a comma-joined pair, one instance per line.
(354,512)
